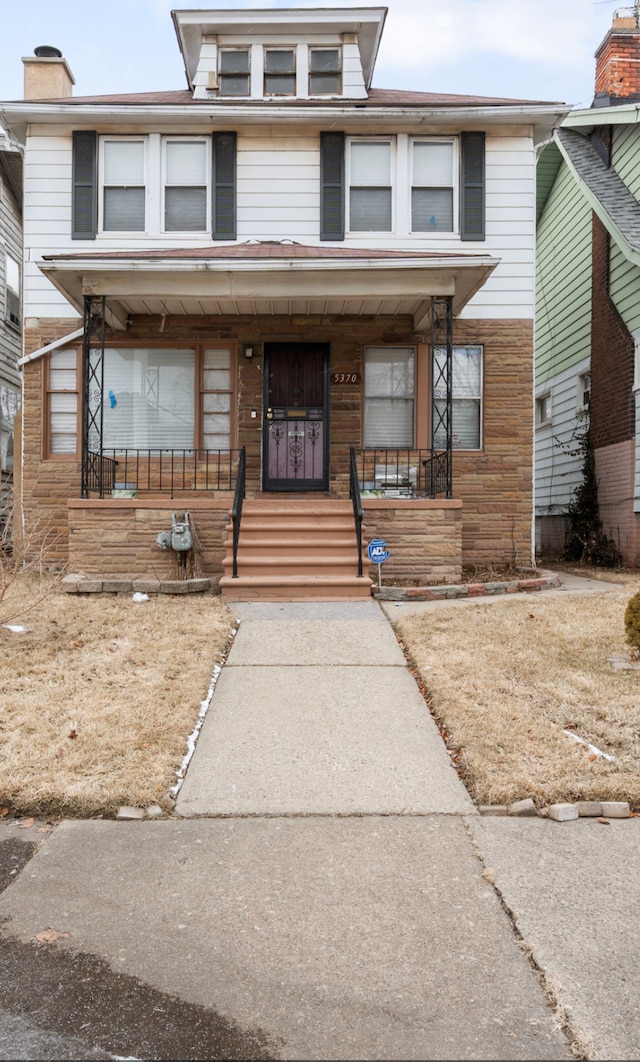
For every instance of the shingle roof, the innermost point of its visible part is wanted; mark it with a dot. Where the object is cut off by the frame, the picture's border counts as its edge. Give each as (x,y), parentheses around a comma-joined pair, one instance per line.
(264,249)
(613,197)
(375,98)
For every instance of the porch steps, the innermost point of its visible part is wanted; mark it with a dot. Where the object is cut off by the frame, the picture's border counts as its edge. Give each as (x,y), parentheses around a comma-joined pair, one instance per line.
(295,549)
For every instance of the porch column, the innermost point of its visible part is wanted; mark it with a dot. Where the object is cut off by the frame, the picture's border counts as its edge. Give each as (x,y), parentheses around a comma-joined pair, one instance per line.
(92,477)
(442,386)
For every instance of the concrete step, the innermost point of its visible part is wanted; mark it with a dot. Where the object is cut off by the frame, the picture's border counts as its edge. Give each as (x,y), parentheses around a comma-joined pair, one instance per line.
(319,567)
(295,588)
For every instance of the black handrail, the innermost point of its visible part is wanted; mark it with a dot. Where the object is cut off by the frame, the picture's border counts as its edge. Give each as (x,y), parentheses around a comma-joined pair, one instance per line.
(236,512)
(163,470)
(354,494)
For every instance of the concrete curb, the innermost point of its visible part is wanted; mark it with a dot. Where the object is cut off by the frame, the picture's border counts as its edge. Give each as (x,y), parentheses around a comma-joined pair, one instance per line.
(581,809)
(545,581)
(84,584)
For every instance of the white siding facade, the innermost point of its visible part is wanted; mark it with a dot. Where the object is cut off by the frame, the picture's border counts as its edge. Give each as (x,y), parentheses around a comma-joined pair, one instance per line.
(278,198)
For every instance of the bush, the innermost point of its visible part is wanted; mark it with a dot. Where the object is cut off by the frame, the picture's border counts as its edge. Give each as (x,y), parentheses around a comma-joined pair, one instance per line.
(632,621)
(586,540)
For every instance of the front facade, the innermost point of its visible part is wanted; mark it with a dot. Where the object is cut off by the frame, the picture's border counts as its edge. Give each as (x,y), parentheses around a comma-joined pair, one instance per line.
(285,263)
(588,302)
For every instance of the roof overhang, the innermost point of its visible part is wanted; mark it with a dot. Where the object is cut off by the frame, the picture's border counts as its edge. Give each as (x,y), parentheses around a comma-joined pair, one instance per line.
(360,283)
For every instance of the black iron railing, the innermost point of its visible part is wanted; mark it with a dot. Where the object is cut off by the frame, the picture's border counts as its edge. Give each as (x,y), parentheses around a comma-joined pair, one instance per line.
(160,470)
(404,473)
(236,512)
(354,494)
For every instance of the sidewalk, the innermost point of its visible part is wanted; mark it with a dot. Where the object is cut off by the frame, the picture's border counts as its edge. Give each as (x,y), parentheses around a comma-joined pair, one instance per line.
(330,891)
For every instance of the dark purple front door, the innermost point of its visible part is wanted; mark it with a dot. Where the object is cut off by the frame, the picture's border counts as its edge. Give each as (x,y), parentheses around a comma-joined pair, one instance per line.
(296,437)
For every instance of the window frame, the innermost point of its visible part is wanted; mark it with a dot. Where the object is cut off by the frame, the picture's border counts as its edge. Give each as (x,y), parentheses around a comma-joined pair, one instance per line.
(544,410)
(414,397)
(266,73)
(120,138)
(583,392)
(315,73)
(349,187)
(221,74)
(170,139)
(200,346)
(466,398)
(455,185)
(9,290)
(47,435)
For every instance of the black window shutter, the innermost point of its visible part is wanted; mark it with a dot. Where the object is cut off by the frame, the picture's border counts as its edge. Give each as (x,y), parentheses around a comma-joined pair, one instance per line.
(224,186)
(472,193)
(84,211)
(332,186)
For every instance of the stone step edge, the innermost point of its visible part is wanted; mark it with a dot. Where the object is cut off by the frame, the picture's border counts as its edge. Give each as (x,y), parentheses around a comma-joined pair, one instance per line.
(545,581)
(87,584)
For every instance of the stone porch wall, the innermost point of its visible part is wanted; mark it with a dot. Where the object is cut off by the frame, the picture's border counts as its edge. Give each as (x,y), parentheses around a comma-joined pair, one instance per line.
(117,537)
(424,538)
(494,485)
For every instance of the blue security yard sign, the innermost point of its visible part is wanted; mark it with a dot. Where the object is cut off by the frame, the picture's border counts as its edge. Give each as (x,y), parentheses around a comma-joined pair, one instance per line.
(377,551)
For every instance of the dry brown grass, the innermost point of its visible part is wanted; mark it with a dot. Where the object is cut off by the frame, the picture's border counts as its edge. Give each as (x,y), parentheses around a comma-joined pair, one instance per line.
(506,678)
(126,679)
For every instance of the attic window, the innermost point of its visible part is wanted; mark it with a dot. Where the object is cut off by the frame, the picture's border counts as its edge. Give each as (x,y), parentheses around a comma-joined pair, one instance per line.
(325,69)
(234,72)
(279,72)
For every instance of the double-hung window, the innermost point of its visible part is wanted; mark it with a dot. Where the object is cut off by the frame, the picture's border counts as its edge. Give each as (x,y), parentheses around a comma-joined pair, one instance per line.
(279,72)
(389,397)
(370,186)
(186,164)
(234,73)
(62,403)
(467,397)
(433,186)
(325,71)
(124,185)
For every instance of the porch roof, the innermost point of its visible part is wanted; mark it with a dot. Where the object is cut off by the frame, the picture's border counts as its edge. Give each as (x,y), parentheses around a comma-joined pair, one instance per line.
(266,278)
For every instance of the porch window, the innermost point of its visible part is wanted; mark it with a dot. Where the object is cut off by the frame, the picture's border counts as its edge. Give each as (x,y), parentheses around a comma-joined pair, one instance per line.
(467,397)
(389,397)
(432,190)
(216,394)
(370,186)
(185,189)
(124,191)
(62,403)
(148,399)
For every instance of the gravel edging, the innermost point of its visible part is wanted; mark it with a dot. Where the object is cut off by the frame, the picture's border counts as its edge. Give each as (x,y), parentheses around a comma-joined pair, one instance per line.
(546,580)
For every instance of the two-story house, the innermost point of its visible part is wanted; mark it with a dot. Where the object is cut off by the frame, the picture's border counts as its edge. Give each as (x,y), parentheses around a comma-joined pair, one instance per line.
(588,301)
(284,285)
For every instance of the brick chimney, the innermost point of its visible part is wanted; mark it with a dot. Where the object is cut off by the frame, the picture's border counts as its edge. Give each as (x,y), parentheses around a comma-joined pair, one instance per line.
(47,75)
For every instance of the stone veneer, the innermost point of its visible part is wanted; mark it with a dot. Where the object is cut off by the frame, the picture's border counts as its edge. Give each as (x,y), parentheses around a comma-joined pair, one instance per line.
(494,485)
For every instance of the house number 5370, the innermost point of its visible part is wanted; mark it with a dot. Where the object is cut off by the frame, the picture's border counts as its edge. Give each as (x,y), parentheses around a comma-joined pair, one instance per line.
(345,377)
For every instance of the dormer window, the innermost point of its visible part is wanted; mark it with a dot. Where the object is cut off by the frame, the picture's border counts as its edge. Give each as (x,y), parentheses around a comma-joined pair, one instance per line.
(325,71)
(279,72)
(234,72)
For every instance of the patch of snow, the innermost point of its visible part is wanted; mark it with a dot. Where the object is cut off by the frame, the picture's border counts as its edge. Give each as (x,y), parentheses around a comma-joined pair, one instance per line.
(592,749)
(140,597)
(16,630)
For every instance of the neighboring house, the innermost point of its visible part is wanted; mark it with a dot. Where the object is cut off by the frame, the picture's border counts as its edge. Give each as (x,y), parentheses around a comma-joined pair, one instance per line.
(280,262)
(588,301)
(10,307)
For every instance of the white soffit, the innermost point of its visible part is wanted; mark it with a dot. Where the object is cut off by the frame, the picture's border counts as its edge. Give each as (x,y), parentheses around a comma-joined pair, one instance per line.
(281,286)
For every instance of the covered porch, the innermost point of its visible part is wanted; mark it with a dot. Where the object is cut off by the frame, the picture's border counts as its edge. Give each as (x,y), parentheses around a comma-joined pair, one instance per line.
(271,337)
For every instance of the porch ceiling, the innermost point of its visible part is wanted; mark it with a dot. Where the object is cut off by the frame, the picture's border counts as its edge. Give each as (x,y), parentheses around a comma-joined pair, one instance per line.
(268,279)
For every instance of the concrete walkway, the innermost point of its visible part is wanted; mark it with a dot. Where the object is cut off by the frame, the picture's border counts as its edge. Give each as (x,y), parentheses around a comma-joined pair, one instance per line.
(316,713)
(330,891)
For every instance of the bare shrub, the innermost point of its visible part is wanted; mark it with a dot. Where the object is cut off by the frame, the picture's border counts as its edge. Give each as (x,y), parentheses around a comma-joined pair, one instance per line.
(26,576)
